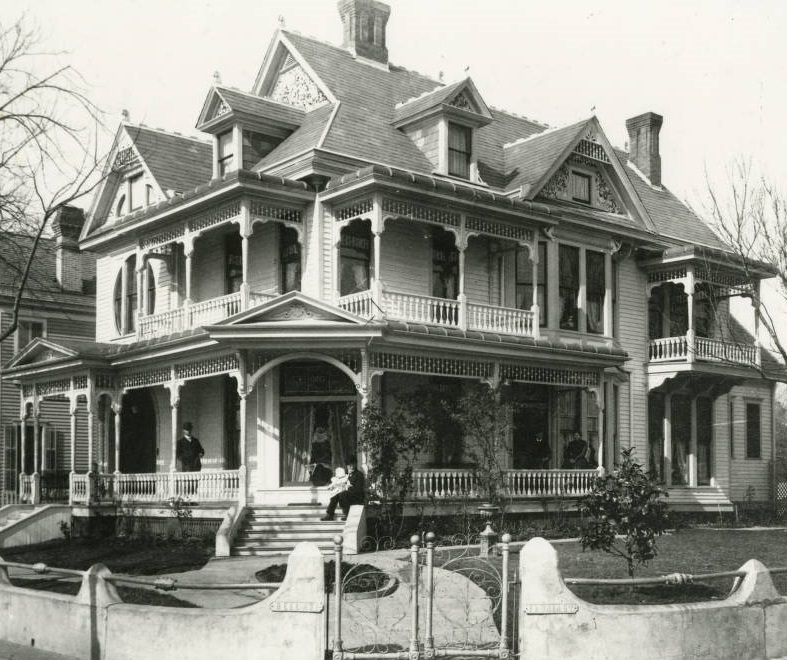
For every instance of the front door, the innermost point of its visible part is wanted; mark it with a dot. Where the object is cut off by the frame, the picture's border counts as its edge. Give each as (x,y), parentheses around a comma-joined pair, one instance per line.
(138,433)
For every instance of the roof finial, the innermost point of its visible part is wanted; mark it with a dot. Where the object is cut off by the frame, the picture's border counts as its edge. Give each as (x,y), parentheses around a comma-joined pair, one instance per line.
(124,115)
(440,76)
(467,69)
(216,78)
(282,25)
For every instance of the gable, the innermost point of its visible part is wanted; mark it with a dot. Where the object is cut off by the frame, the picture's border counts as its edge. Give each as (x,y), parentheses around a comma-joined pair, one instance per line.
(40,350)
(294,308)
(286,78)
(583,180)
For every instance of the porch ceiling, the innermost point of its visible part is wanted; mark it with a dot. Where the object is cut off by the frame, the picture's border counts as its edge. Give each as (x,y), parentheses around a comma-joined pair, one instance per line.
(694,384)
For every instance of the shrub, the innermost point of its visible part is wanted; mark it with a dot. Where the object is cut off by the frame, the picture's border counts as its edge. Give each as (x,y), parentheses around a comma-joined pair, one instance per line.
(626,513)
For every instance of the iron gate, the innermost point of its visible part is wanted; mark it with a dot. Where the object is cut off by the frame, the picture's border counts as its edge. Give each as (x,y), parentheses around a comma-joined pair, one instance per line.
(457,609)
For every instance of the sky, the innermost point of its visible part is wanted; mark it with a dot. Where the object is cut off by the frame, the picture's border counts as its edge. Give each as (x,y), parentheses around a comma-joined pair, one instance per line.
(715,69)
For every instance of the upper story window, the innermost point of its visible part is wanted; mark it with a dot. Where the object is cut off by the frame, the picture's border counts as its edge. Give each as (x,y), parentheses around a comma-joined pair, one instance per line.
(225,153)
(568,287)
(753,445)
(126,295)
(596,288)
(234,262)
(256,146)
(580,187)
(524,281)
(355,257)
(27,331)
(460,146)
(136,192)
(445,265)
(290,258)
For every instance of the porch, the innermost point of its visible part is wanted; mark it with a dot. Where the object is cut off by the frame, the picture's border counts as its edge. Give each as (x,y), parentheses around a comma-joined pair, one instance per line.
(690,348)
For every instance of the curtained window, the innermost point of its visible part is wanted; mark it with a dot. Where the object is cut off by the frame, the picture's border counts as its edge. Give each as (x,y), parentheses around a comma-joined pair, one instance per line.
(568,287)
(596,287)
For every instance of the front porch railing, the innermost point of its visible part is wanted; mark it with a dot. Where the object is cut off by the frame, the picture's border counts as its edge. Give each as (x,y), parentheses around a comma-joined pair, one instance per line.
(448,483)
(505,320)
(197,314)
(159,487)
(690,348)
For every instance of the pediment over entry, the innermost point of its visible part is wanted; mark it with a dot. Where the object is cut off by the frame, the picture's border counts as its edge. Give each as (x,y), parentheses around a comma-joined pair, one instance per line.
(41,350)
(295,309)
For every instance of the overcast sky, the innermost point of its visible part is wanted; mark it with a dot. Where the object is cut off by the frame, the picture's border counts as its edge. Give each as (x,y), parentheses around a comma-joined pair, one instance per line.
(715,69)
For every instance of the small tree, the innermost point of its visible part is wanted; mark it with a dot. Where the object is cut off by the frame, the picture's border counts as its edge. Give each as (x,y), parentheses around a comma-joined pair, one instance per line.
(627,511)
(486,423)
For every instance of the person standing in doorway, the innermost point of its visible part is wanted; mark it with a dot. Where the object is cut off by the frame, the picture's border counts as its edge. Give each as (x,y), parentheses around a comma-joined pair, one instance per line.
(189,451)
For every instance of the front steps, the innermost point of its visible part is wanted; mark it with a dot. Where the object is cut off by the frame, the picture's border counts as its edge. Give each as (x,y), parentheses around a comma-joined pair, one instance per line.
(275,530)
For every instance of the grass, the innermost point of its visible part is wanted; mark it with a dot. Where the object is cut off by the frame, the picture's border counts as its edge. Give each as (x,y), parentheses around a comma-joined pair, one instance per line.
(140,557)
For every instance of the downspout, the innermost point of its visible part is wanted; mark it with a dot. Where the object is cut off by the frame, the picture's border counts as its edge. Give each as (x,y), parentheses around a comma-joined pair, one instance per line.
(774,486)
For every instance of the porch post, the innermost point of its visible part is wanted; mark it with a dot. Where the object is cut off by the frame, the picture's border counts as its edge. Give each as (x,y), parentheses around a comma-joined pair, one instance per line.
(72,409)
(608,287)
(36,440)
(141,291)
(755,303)
(23,441)
(667,440)
(117,408)
(174,404)
(377,231)
(534,307)
(461,297)
(690,338)
(188,251)
(693,445)
(244,230)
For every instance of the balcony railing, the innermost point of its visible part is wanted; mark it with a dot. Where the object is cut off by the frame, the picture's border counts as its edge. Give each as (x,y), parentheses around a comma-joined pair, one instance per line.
(686,348)
(159,487)
(442,312)
(461,483)
(197,314)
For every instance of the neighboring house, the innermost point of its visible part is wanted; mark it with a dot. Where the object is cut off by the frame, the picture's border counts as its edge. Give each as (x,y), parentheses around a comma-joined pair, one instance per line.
(58,304)
(350,229)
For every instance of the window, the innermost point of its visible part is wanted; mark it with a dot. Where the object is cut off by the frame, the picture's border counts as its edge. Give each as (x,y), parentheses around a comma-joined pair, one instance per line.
(524,281)
(125,295)
(11,457)
(290,256)
(596,288)
(27,331)
(568,287)
(234,267)
(136,192)
(150,195)
(256,146)
(580,187)
(49,450)
(753,449)
(445,265)
(732,427)
(225,155)
(354,258)
(460,139)
(121,206)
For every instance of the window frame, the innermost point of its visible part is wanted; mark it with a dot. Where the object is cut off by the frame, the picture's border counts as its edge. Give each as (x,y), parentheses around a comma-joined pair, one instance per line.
(452,152)
(289,257)
(565,248)
(445,265)
(359,230)
(225,158)
(575,175)
(599,291)
(18,345)
(136,184)
(525,284)
(749,427)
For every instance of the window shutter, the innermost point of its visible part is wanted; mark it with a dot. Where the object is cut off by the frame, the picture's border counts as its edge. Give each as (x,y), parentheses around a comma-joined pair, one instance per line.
(50,449)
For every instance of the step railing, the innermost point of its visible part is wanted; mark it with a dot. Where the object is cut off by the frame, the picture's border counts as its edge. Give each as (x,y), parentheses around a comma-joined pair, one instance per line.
(462,483)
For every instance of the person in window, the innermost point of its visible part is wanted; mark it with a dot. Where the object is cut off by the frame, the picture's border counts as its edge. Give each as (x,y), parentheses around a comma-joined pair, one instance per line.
(320,458)
(189,451)
(538,453)
(575,456)
(355,492)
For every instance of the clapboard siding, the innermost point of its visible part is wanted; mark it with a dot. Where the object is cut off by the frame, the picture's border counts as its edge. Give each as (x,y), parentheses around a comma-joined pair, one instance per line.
(406,257)
(264,258)
(426,136)
(107,271)
(751,473)
(208,267)
(477,275)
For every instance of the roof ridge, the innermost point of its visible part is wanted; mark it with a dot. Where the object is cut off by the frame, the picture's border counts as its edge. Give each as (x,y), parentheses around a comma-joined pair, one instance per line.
(548,131)
(157,129)
(511,113)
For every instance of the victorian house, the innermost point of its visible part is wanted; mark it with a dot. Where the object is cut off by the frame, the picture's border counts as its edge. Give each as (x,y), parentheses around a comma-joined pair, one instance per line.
(349,229)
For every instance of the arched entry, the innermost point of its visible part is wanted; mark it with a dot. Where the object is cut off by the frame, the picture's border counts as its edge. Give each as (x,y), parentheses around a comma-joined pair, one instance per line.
(137,433)
(317,413)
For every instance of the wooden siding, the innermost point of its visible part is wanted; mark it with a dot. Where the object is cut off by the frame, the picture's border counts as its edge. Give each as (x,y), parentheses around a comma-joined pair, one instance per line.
(477,271)
(751,473)
(406,257)
(327,247)
(426,136)
(107,270)
(208,275)
(264,258)
(632,332)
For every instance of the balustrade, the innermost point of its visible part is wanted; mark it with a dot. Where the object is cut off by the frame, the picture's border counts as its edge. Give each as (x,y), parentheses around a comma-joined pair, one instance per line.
(505,320)
(421,309)
(359,304)
(446,483)
(679,348)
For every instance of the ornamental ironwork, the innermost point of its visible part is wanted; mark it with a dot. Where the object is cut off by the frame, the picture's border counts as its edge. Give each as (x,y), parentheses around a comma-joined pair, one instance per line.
(28,390)
(355,210)
(145,378)
(261,210)
(295,87)
(217,365)
(503,230)
(425,364)
(549,376)
(407,209)
(215,216)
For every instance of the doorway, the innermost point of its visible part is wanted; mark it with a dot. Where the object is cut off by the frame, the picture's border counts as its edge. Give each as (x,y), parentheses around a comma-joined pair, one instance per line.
(138,433)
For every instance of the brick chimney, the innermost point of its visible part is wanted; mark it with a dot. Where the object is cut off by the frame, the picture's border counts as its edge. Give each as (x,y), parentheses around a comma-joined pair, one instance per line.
(643,133)
(364,24)
(75,270)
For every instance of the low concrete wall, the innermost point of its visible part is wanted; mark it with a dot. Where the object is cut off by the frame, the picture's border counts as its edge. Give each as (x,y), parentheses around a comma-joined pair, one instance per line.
(228,530)
(41,525)
(97,625)
(554,624)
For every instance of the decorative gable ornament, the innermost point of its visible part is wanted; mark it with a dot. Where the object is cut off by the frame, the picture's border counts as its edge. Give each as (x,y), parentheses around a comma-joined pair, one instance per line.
(462,102)
(295,87)
(602,196)
(221,109)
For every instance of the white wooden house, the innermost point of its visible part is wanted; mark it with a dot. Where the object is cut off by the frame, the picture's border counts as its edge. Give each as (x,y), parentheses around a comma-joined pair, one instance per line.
(348,229)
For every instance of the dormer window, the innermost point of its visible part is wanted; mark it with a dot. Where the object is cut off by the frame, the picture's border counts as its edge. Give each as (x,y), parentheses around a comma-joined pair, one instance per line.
(460,147)
(256,146)
(225,153)
(136,192)
(580,187)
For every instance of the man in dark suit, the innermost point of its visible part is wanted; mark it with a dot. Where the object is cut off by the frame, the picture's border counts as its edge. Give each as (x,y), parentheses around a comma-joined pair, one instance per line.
(355,493)
(189,451)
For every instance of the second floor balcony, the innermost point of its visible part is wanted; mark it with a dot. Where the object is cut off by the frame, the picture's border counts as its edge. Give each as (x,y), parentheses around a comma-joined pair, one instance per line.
(690,348)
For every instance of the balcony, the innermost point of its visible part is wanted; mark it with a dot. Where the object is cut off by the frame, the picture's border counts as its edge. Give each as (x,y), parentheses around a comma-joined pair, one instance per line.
(443,312)
(702,349)
(197,314)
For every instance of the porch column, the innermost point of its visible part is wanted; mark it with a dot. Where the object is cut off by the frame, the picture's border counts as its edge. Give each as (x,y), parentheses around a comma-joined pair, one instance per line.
(378,226)
(91,423)
(244,230)
(188,252)
(692,459)
(72,409)
(36,440)
(23,437)
(174,405)
(534,307)
(667,440)
(609,330)
(755,303)
(461,297)
(690,338)
(117,408)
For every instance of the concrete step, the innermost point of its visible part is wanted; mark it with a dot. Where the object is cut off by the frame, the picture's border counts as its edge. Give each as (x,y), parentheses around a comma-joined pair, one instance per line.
(279,523)
(291,537)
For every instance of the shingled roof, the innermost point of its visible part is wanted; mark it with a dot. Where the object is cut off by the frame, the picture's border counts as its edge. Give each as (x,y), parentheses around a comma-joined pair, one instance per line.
(177,162)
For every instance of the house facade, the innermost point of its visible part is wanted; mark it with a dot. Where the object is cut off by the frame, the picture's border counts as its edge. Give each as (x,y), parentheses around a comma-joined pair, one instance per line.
(57,305)
(350,231)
